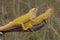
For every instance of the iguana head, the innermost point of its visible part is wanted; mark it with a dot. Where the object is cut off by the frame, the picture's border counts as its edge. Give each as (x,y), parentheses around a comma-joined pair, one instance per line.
(48,13)
(33,12)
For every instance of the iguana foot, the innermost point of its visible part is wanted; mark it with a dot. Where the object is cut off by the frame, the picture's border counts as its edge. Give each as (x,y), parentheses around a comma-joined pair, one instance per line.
(29,26)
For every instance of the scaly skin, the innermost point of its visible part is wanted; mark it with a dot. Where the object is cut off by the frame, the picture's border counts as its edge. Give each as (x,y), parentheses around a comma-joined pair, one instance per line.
(39,19)
(20,20)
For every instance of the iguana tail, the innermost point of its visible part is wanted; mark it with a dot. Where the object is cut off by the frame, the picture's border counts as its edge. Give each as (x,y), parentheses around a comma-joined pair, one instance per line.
(7,27)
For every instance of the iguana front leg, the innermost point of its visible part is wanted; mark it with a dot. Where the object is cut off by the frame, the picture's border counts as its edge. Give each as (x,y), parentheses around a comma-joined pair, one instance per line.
(45,21)
(23,27)
(32,19)
(28,26)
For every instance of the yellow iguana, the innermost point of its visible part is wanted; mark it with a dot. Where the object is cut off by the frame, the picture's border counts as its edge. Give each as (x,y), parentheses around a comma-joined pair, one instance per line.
(39,19)
(20,20)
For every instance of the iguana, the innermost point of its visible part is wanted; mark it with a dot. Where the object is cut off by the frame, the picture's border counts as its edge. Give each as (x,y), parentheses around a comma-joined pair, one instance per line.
(39,19)
(20,20)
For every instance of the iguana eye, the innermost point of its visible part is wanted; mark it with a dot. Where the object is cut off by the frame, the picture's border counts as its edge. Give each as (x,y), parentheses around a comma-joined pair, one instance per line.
(35,10)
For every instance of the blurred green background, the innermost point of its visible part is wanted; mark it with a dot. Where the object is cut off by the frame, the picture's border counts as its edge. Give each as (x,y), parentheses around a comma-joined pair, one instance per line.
(10,9)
